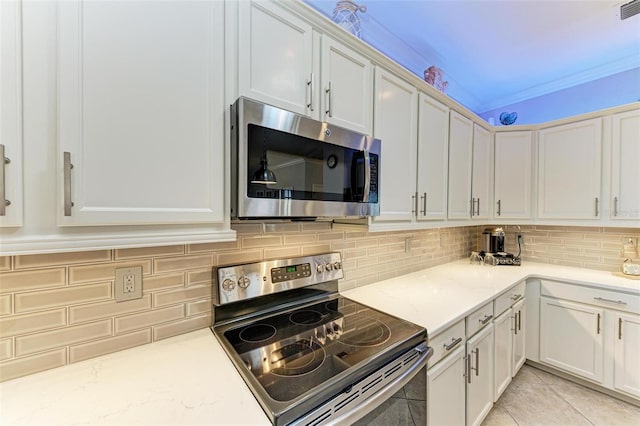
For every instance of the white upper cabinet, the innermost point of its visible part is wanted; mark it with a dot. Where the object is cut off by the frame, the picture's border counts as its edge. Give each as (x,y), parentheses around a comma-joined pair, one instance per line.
(569,173)
(10,114)
(141,112)
(347,87)
(625,166)
(395,124)
(275,63)
(433,141)
(460,161)
(482,173)
(513,175)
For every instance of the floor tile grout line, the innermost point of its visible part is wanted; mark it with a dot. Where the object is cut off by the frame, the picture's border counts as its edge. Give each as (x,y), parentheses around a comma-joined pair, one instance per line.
(570,404)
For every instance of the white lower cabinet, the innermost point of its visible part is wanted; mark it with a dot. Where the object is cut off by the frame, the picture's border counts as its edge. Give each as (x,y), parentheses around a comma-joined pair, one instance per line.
(509,346)
(627,353)
(445,390)
(479,375)
(519,354)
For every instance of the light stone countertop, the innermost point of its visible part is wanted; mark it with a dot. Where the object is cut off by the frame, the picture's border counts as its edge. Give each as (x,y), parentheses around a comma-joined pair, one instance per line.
(189,380)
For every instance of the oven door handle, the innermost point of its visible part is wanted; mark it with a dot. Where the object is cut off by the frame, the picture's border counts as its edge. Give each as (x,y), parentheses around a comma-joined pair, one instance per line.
(367,176)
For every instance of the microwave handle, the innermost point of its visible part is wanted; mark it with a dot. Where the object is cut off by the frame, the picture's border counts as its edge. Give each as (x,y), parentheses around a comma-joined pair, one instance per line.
(367,176)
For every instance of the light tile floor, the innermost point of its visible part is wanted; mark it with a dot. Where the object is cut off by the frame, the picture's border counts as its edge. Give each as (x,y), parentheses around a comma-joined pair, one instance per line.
(536,397)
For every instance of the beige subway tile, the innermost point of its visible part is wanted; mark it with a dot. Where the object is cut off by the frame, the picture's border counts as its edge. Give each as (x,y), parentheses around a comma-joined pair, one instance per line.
(601,252)
(33,364)
(21,324)
(199,307)
(109,345)
(316,249)
(369,242)
(182,262)
(66,336)
(603,267)
(354,235)
(149,252)
(244,256)
(256,242)
(273,253)
(614,245)
(631,232)
(247,228)
(147,319)
(6,349)
(581,243)
(613,261)
(354,254)
(168,330)
(159,282)
(29,280)
(566,263)
(282,228)
(5,263)
(549,240)
(6,303)
(36,300)
(100,272)
(206,247)
(342,245)
(172,297)
(551,228)
(603,237)
(299,239)
(331,236)
(61,259)
(316,227)
(201,276)
(94,311)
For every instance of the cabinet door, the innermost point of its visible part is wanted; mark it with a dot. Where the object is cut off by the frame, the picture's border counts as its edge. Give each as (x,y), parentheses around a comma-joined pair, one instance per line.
(625,173)
(141,112)
(569,171)
(577,345)
(395,124)
(10,114)
(482,172)
(518,312)
(433,143)
(503,352)
(275,56)
(445,391)
(347,87)
(460,155)
(627,353)
(513,175)
(480,380)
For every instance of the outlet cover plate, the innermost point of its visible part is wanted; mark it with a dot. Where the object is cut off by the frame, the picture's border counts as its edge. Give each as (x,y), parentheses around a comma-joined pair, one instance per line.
(121,273)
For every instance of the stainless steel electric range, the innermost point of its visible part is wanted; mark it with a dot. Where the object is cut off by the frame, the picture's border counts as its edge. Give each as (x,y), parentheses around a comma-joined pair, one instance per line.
(309,355)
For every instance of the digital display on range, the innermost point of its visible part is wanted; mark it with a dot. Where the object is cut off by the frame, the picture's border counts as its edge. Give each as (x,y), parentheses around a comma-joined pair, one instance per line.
(291,272)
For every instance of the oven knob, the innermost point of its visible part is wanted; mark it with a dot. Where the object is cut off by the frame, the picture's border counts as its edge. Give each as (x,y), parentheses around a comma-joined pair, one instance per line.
(244,282)
(320,268)
(337,265)
(228,284)
(329,266)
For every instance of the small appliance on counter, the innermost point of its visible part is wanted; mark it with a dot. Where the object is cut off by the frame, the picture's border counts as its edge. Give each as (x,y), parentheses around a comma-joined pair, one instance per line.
(492,250)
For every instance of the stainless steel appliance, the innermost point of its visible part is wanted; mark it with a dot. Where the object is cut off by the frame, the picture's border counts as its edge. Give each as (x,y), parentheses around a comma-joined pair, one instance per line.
(492,249)
(309,355)
(286,165)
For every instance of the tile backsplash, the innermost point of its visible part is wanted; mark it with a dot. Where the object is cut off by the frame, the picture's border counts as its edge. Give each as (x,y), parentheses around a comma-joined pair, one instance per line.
(57,309)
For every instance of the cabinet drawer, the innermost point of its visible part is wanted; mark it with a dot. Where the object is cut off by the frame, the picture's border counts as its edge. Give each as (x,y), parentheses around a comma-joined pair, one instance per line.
(447,341)
(508,298)
(479,318)
(593,296)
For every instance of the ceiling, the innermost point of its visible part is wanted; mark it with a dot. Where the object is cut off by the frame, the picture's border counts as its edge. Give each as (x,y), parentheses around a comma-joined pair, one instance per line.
(496,53)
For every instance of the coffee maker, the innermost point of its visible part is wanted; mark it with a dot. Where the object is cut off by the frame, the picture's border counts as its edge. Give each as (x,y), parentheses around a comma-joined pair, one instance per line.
(492,248)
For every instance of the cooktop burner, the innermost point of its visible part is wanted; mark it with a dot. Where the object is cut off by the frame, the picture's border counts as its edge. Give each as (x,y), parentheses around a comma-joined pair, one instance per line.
(257,333)
(304,317)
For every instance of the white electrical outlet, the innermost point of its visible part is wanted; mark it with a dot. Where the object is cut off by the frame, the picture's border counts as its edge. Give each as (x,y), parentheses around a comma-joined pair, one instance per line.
(128,283)
(631,241)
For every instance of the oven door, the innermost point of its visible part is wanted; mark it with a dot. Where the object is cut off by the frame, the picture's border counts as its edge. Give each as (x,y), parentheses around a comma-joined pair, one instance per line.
(291,166)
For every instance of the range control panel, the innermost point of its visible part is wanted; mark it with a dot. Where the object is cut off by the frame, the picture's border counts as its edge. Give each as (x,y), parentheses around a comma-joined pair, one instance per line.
(241,282)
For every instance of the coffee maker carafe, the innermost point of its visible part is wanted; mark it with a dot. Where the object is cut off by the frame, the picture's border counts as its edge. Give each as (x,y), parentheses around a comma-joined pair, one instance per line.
(492,240)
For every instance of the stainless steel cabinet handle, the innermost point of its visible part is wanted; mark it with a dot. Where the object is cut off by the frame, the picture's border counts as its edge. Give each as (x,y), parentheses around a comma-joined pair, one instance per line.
(472,207)
(67,183)
(477,369)
(329,111)
(424,204)
(414,201)
(478,208)
(598,325)
(311,83)
(3,201)
(519,320)
(597,209)
(486,319)
(516,296)
(499,207)
(619,328)
(453,344)
(515,324)
(602,299)
(468,360)
(615,206)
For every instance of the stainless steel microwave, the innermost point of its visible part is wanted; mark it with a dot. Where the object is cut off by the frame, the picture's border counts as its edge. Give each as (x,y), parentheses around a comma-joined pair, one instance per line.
(286,165)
